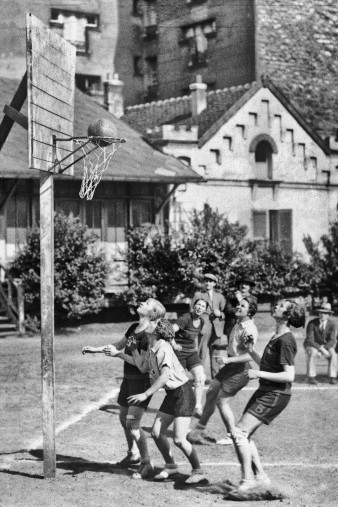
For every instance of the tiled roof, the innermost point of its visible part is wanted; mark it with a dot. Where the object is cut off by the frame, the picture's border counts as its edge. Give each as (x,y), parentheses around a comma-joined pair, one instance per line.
(221,106)
(135,160)
(178,110)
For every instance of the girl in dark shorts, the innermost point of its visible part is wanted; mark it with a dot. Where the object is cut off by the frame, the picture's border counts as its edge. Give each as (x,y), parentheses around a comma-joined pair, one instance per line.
(187,329)
(134,382)
(178,405)
(276,373)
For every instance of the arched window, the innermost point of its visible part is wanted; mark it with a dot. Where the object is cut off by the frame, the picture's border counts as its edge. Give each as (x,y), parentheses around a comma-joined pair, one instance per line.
(263,160)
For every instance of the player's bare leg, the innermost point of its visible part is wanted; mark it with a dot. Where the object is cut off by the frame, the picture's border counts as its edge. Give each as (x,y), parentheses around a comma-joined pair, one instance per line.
(199,382)
(197,434)
(247,452)
(181,426)
(133,455)
(133,423)
(161,424)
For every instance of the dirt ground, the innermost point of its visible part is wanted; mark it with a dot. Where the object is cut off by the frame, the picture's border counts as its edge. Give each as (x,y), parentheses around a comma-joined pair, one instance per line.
(299,449)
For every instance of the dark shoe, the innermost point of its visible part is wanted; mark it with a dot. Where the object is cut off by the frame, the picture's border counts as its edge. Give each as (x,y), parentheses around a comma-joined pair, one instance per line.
(145,471)
(312,380)
(333,380)
(127,462)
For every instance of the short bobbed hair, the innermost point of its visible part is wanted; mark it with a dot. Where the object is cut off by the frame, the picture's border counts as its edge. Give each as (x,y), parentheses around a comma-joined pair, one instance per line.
(295,314)
(164,330)
(252,306)
(158,311)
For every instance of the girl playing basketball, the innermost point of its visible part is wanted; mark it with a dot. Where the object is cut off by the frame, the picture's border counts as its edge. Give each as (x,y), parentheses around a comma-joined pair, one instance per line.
(134,382)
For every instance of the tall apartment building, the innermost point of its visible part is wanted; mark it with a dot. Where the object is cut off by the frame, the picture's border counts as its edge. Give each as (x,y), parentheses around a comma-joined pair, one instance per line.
(155,46)
(169,42)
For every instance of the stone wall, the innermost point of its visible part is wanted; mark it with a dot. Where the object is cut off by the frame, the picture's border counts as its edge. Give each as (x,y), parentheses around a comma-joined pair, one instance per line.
(297,46)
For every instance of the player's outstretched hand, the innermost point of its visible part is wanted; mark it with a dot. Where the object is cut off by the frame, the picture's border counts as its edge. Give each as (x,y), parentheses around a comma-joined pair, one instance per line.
(111,350)
(90,350)
(137,398)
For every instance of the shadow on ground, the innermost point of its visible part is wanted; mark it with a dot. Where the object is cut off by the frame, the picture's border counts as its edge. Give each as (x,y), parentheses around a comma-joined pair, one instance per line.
(230,492)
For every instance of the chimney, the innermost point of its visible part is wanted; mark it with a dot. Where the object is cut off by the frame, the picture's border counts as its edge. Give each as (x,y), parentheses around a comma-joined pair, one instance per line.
(198,96)
(113,95)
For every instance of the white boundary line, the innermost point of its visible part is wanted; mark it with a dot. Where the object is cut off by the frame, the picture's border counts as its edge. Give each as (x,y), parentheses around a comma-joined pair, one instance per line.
(281,464)
(34,444)
(95,406)
(295,388)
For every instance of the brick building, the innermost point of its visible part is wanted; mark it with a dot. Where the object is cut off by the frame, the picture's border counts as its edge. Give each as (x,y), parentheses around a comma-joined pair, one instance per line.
(157,47)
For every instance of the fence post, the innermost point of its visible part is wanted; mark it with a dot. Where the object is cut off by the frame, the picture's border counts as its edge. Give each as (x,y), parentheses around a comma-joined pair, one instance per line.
(21,306)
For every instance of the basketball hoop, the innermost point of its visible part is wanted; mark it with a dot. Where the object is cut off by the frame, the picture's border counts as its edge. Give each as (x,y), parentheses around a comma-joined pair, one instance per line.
(97,152)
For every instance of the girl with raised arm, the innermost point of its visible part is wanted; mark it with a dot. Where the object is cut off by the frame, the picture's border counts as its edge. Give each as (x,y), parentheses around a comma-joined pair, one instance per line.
(134,382)
(276,373)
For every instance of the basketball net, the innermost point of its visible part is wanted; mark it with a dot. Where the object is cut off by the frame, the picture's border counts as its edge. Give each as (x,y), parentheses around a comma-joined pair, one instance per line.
(96,157)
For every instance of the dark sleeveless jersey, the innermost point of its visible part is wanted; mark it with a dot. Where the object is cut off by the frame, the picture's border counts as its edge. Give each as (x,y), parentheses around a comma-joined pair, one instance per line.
(142,340)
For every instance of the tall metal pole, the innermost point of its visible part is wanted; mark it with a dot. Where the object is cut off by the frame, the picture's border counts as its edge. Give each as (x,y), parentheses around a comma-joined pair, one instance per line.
(47,321)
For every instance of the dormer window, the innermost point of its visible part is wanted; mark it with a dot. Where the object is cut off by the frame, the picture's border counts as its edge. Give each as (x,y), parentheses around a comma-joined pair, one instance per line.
(74,26)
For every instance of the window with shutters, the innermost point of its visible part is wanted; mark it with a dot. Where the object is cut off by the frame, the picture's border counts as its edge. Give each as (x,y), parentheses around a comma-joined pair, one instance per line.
(281,229)
(274,225)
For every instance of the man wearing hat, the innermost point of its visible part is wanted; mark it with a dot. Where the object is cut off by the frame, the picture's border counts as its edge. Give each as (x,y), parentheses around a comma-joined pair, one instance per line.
(321,339)
(212,332)
(246,284)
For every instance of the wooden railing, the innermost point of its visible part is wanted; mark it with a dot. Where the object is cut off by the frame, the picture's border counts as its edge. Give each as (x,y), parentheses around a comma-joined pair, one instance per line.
(12,299)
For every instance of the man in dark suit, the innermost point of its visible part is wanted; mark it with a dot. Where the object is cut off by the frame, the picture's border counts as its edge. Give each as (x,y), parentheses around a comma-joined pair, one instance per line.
(321,339)
(212,333)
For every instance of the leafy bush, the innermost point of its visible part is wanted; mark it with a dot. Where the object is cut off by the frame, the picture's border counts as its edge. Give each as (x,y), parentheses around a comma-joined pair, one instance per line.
(80,270)
(324,261)
(168,265)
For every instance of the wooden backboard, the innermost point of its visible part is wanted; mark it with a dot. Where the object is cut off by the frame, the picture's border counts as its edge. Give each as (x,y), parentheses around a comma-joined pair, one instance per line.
(50,92)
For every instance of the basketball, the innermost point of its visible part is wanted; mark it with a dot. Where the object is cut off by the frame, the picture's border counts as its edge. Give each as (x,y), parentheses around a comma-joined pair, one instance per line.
(102,128)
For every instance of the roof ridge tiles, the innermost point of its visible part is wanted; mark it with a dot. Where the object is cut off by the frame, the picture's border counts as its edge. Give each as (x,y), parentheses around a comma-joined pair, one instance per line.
(239,87)
(159,102)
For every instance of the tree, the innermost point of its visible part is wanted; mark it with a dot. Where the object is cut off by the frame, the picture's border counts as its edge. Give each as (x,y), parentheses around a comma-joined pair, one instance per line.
(324,260)
(80,270)
(166,265)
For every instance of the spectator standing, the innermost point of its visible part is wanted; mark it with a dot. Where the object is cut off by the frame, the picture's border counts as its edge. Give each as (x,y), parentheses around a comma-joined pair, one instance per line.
(320,341)
(212,334)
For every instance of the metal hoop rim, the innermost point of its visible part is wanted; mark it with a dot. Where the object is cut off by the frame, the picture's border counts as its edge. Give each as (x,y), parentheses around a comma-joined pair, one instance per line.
(93,138)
